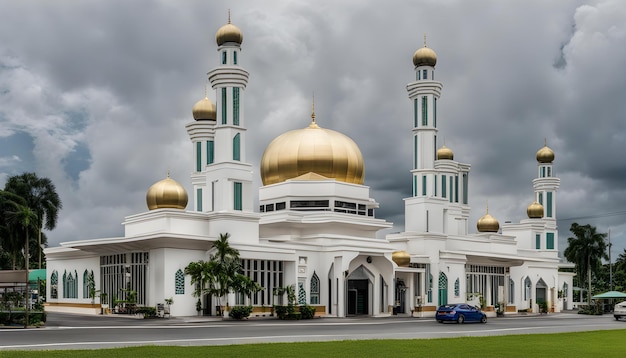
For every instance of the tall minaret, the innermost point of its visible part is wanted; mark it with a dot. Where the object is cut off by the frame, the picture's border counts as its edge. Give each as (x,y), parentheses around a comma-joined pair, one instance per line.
(546,185)
(424,93)
(221,178)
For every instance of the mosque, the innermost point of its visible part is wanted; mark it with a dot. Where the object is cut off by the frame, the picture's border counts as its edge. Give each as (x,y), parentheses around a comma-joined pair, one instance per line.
(316,225)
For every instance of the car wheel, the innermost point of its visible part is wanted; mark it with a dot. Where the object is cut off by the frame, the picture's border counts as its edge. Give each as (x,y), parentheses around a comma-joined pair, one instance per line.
(483,319)
(461,319)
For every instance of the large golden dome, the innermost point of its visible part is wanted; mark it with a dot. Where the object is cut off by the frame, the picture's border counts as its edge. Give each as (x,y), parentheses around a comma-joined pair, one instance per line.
(488,223)
(166,193)
(425,56)
(445,153)
(228,33)
(204,109)
(535,210)
(545,155)
(312,150)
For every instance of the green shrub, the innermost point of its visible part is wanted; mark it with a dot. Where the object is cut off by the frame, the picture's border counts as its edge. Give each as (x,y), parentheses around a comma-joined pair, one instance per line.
(307,312)
(148,312)
(240,312)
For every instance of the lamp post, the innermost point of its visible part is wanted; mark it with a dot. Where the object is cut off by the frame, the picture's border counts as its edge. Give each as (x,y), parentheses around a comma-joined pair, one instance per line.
(610,263)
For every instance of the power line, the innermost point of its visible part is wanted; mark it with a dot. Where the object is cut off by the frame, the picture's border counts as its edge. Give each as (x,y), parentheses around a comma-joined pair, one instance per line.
(596,216)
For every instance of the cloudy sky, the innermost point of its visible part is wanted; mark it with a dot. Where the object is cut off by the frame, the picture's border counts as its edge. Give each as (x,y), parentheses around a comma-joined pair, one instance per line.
(95,96)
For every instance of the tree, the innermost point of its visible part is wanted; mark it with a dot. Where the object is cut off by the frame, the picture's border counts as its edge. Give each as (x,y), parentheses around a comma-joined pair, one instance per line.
(41,197)
(11,232)
(586,249)
(22,220)
(227,267)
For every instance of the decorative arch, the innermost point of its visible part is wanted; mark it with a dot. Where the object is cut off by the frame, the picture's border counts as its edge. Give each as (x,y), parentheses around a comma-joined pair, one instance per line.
(179,282)
(314,289)
(527,286)
(443,289)
(54,285)
(86,284)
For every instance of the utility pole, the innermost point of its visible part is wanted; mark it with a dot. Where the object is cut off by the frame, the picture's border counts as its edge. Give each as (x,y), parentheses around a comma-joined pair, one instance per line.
(610,263)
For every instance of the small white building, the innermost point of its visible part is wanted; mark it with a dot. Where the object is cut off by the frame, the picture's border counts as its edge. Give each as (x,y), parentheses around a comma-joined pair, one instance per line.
(316,227)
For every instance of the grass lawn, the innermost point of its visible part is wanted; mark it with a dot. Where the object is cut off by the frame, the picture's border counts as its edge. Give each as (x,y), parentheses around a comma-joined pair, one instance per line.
(603,344)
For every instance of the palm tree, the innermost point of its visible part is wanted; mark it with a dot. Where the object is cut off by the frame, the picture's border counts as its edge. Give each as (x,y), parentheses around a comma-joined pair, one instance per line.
(586,249)
(22,220)
(11,238)
(41,197)
(227,266)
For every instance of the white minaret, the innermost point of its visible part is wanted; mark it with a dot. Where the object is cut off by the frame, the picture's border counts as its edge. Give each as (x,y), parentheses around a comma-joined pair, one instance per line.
(546,185)
(424,93)
(221,178)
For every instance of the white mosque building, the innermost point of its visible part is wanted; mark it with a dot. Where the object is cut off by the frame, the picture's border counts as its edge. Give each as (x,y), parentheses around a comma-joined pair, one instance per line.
(315,227)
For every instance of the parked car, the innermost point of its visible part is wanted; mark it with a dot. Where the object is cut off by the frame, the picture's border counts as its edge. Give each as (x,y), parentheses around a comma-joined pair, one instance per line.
(460,312)
(620,310)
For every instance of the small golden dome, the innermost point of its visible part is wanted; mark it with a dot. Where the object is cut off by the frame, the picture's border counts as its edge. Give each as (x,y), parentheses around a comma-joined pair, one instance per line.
(488,223)
(425,56)
(401,258)
(204,109)
(312,150)
(228,33)
(545,155)
(535,210)
(445,153)
(166,193)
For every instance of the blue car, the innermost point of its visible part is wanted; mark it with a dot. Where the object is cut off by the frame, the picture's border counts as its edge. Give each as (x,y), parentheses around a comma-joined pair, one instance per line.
(459,313)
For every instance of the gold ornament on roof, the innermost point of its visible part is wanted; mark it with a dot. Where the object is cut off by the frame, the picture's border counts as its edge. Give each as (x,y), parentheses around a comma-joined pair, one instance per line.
(425,56)
(228,33)
(535,210)
(487,223)
(204,109)
(445,153)
(166,193)
(545,155)
(401,258)
(312,150)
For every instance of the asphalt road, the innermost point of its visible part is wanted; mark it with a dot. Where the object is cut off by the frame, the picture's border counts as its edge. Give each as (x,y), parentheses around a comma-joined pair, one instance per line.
(67,331)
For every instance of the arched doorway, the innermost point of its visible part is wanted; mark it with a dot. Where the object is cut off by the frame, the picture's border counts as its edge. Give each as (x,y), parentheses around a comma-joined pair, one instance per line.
(541,292)
(359,295)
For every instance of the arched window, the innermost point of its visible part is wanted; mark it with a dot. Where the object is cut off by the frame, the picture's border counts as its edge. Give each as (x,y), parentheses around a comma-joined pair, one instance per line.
(443,289)
(179,283)
(237,147)
(315,289)
(457,288)
(430,288)
(511,291)
(70,285)
(301,293)
(86,284)
(527,286)
(54,285)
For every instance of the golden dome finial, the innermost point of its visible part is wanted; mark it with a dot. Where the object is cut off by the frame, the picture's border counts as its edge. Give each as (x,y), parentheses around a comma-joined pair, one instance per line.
(168,172)
(313,108)
(425,39)
(229,16)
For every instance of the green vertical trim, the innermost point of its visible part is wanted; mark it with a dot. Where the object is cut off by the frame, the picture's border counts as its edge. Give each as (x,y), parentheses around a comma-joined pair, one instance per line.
(415,113)
(223,57)
(456,188)
(443,186)
(435,185)
(465,188)
(550,241)
(549,204)
(424,185)
(210,152)
(235,57)
(435,112)
(414,185)
(224,100)
(540,198)
(424,110)
(238,196)
(236,106)
(199,199)
(198,156)
(415,152)
(537,241)
(451,196)
(237,147)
